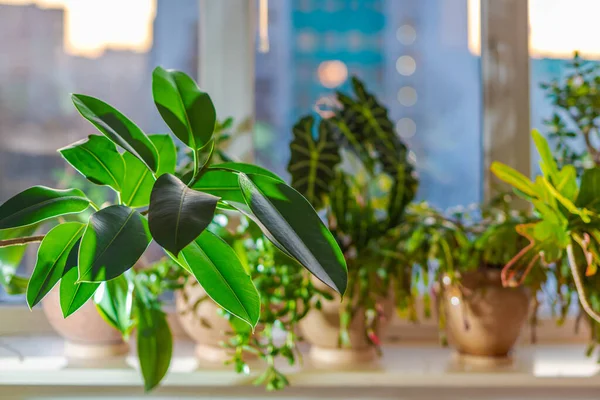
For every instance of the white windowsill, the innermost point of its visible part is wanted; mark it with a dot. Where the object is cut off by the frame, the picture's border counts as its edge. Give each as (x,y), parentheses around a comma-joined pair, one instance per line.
(421,369)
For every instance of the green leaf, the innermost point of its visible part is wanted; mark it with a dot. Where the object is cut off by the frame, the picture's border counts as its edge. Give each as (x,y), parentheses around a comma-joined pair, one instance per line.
(568,204)
(178,214)
(51,260)
(73,295)
(98,160)
(589,191)
(40,203)
(246,169)
(547,163)
(187,110)
(514,178)
(292,224)
(154,344)
(114,240)
(138,183)
(118,128)
(218,269)
(11,256)
(313,160)
(167,154)
(114,301)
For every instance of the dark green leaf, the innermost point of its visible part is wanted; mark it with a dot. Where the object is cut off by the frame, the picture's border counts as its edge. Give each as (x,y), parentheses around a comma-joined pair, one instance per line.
(313,160)
(98,160)
(218,269)
(40,203)
(114,240)
(167,154)
(178,214)
(246,168)
(73,295)
(114,300)
(51,260)
(154,344)
(589,192)
(289,220)
(138,183)
(187,110)
(118,128)
(220,183)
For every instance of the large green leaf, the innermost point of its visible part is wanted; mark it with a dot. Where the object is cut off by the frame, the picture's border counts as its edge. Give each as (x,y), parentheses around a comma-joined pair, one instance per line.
(51,259)
(313,160)
(289,220)
(178,214)
(187,110)
(114,301)
(98,160)
(167,154)
(589,191)
(245,168)
(40,203)
(118,128)
(154,343)
(218,269)
(138,183)
(114,240)
(73,295)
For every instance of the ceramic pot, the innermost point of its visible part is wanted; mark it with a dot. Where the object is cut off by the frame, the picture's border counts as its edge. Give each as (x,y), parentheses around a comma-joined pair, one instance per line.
(201,321)
(86,334)
(321,328)
(483,318)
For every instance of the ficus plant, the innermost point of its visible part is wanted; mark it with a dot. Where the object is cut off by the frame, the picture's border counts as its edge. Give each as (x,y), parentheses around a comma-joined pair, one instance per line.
(567,234)
(90,248)
(352,166)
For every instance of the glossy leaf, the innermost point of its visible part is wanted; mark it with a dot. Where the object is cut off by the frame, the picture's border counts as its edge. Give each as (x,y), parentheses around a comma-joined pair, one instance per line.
(114,301)
(73,295)
(114,240)
(313,160)
(51,259)
(178,214)
(98,160)
(218,269)
(118,128)
(40,203)
(154,344)
(167,154)
(289,220)
(138,183)
(245,168)
(514,178)
(189,112)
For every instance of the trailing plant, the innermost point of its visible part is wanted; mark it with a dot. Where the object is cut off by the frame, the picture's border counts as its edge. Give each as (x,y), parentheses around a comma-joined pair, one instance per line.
(92,248)
(574,125)
(353,167)
(567,233)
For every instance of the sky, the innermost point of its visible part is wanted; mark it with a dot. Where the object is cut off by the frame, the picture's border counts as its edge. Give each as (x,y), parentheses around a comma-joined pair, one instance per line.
(557,27)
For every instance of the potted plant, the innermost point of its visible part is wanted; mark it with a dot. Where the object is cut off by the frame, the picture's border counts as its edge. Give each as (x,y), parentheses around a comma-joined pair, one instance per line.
(566,236)
(354,170)
(154,203)
(463,253)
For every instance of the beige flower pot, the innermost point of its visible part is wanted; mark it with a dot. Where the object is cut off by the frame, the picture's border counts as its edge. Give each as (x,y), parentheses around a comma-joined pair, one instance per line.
(321,328)
(483,318)
(86,334)
(202,322)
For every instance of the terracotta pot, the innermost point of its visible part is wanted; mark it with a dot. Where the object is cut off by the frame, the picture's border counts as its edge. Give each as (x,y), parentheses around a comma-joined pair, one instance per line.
(202,322)
(483,318)
(86,334)
(321,328)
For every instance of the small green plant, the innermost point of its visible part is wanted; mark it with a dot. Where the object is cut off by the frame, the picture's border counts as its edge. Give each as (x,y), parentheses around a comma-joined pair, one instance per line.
(567,233)
(92,248)
(354,169)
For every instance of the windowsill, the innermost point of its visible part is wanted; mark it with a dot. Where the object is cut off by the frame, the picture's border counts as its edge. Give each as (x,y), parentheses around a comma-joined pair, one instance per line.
(418,368)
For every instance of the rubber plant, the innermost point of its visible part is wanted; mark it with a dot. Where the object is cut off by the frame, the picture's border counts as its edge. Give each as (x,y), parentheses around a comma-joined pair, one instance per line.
(154,203)
(568,231)
(352,166)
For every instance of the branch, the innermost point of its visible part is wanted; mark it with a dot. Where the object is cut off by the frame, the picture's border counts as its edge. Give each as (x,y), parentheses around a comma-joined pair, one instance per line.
(21,241)
(579,285)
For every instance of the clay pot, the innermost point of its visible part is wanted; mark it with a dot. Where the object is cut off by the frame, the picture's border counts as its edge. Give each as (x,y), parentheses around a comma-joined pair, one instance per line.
(86,334)
(321,328)
(483,318)
(202,322)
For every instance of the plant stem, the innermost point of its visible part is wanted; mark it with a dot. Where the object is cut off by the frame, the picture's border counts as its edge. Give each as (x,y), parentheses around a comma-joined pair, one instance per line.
(579,285)
(21,241)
